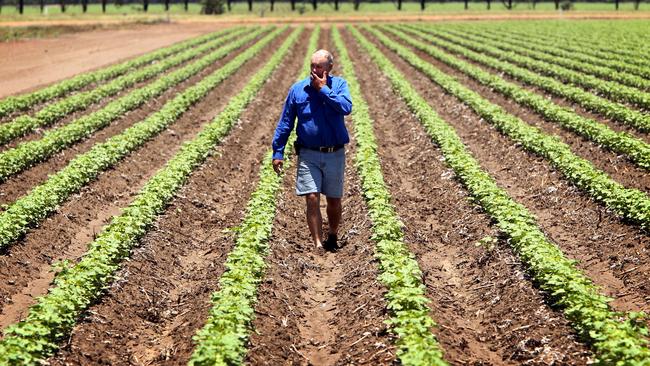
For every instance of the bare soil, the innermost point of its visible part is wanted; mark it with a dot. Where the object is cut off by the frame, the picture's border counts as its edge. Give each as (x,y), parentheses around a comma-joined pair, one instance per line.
(396,17)
(28,65)
(32,31)
(65,235)
(345,18)
(610,252)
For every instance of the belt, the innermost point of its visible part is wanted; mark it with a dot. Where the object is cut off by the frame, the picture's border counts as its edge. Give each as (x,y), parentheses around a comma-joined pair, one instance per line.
(324,149)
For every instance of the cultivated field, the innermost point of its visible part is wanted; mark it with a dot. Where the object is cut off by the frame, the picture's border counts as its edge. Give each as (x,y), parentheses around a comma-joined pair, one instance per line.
(496,204)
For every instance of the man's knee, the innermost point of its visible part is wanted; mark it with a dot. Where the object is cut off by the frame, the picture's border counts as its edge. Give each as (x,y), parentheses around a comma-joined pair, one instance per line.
(312,197)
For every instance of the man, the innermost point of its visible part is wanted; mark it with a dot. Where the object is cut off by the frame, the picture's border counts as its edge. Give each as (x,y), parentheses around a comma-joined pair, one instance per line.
(319,102)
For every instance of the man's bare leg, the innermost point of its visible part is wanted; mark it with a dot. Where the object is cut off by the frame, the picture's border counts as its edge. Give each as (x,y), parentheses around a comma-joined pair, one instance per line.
(334,212)
(314,219)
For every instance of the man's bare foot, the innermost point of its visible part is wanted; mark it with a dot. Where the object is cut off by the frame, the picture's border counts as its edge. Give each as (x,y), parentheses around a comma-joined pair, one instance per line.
(318,249)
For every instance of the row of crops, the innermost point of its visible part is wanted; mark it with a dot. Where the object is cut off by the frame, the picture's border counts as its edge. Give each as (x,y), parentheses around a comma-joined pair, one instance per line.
(612,86)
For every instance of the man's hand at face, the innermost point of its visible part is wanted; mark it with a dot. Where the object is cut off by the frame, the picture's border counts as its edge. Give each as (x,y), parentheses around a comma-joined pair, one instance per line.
(277,166)
(317,82)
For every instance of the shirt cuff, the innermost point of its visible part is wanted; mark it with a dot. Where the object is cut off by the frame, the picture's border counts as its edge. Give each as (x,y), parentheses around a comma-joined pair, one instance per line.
(325,90)
(278,155)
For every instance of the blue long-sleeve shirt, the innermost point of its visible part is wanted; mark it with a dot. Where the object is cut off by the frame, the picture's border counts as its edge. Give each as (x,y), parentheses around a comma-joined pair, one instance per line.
(320,115)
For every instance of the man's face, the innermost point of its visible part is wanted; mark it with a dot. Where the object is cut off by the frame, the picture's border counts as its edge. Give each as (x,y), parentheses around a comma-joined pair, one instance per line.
(319,65)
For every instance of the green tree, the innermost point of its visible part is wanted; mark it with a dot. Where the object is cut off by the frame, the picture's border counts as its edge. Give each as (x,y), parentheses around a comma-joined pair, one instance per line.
(213,6)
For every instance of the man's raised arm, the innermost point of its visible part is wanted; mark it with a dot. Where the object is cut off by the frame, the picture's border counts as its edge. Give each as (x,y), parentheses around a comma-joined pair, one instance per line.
(338,97)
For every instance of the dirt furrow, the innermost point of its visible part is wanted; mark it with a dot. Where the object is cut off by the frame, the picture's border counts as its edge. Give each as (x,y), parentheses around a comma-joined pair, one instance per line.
(617,166)
(487,309)
(319,308)
(179,263)
(315,307)
(38,133)
(20,184)
(612,253)
(614,125)
(65,235)
(38,106)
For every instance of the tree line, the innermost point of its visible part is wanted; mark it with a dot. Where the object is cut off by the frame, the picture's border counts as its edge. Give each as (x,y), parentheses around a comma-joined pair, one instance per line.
(508,4)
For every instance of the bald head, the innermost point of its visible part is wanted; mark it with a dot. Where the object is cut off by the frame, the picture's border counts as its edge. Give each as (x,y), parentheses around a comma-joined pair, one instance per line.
(321,61)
